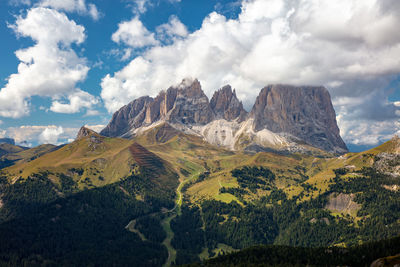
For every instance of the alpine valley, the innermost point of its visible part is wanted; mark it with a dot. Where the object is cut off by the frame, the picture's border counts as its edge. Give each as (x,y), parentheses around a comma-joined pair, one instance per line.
(181,179)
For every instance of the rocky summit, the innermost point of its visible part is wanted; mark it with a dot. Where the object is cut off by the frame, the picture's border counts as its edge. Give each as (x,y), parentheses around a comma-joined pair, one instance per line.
(184,104)
(305,112)
(226,105)
(284,117)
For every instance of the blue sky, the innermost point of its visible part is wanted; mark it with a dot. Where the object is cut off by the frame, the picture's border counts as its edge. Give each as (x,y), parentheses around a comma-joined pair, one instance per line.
(98,48)
(106,53)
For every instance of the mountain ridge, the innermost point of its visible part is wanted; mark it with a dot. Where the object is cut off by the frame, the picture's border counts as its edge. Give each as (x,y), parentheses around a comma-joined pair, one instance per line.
(283,118)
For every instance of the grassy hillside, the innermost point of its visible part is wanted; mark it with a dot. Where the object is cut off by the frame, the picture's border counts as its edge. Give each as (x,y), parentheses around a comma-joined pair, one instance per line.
(71,206)
(91,162)
(25,155)
(225,201)
(8,148)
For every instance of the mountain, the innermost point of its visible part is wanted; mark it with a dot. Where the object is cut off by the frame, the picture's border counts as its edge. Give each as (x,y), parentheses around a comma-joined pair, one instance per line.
(305,112)
(10,141)
(227,106)
(71,206)
(21,154)
(93,160)
(283,118)
(101,200)
(6,148)
(171,194)
(185,104)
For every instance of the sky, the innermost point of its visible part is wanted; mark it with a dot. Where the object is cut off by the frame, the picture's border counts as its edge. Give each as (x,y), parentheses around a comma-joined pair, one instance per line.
(68,63)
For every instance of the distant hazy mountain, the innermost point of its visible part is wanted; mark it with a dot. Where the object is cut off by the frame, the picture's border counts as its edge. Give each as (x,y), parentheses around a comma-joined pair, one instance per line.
(10,141)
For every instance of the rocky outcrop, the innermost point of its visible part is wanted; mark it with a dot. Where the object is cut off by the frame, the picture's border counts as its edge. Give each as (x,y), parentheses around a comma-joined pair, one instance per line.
(343,203)
(226,105)
(85,132)
(303,112)
(388,162)
(93,140)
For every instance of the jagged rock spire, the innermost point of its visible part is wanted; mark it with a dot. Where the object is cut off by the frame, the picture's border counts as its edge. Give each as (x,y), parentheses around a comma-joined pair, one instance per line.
(226,105)
(84,132)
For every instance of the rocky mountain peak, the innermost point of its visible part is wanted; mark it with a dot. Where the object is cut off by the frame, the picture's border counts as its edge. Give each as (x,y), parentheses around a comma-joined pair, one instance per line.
(226,105)
(191,87)
(185,103)
(191,105)
(85,132)
(305,112)
(282,116)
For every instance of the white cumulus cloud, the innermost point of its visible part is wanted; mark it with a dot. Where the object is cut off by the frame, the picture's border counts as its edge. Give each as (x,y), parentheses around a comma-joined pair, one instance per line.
(173,29)
(40,134)
(50,68)
(134,34)
(350,46)
(77,101)
(78,6)
(50,135)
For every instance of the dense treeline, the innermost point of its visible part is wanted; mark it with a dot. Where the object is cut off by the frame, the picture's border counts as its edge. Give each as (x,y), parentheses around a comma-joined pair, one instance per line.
(45,223)
(237,226)
(253,177)
(362,255)
(188,237)
(150,227)
(26,197)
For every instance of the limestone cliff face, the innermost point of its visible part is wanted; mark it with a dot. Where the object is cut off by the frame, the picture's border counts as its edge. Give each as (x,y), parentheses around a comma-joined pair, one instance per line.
(185,104)
(280,116)
(128,117)
(191,105)
(304,112)
(226,105)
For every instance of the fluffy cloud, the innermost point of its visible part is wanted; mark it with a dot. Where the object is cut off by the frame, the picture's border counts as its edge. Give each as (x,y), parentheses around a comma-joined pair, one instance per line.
(139,6)
(350,46)
(77,101)
(134,34)
(50,135)
(34,134)
(50,68)
(173,29)
(78,6)
(366,133)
